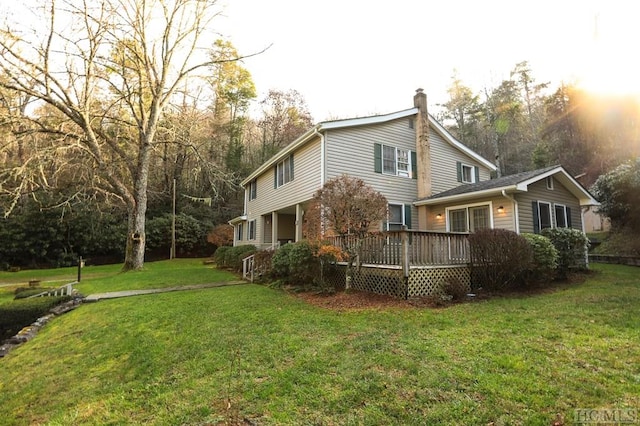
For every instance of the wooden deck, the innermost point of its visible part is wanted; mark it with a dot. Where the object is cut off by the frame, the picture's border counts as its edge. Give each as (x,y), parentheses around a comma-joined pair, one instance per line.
(408,263)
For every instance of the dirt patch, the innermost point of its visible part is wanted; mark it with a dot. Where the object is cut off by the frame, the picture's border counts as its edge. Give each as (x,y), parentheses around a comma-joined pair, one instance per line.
(359,300)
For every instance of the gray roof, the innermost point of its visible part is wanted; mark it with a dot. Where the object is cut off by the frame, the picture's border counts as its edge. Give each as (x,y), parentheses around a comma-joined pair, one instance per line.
(486,185)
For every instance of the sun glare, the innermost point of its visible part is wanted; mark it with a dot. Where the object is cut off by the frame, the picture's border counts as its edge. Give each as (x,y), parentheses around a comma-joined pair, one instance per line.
(610,66)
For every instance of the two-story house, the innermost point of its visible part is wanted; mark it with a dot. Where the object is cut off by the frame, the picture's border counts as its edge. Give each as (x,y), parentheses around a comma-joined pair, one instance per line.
(431,181)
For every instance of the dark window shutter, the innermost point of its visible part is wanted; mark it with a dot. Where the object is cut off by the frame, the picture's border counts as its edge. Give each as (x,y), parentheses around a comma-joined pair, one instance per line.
(568,217)
(414,165)
(275,176)
(377,158)
(536,218)
(477,172)
(291,165)
(459,170)
(407,215)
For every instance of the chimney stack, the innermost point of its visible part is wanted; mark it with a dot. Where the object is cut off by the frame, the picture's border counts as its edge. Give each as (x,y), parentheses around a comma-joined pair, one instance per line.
(423,147)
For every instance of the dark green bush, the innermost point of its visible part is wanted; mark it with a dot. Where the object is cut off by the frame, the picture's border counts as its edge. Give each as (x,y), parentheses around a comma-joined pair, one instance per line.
(572,246)
(262,264)
(280,261)
(499,259)
(18,314)
(544,261)
(297,263)
(231,257)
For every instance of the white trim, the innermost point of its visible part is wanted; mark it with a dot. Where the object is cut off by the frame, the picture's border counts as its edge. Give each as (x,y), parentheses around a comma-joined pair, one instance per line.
(467,206)
(363,121)
(465,196)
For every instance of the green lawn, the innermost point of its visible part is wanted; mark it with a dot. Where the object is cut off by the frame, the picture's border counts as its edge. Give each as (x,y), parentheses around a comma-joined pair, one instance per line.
(99,279)
(222,355)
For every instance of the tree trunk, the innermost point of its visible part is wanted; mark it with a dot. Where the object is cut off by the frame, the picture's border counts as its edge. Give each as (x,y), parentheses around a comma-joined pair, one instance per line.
(134,254)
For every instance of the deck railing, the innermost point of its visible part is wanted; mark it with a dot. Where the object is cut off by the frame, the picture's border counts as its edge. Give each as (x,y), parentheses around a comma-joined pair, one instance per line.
(407,248)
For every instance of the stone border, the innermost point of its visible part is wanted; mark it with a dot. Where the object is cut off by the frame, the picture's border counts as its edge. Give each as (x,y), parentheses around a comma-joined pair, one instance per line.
(30,331)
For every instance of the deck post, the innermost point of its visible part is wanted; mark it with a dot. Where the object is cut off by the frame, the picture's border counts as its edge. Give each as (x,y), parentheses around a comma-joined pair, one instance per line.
(404,259)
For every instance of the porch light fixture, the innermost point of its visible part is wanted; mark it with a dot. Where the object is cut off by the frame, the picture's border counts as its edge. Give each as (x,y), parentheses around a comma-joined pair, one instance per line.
(439,216)
(500,209)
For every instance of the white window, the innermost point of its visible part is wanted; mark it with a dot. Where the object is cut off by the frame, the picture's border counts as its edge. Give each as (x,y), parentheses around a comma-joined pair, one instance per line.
(469,218)
(284,172)
(253,190)
(544,215)
(396,217)
(396,161)
(239,232)
(468,175)
(252,230)
(561,216)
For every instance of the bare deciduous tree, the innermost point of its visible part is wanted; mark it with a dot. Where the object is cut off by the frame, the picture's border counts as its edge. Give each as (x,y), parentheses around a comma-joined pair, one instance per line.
(106,70)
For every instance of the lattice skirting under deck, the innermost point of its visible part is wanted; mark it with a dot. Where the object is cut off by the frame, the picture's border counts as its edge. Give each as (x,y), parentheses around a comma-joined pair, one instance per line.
(422,281)
(429,281)
(379,280)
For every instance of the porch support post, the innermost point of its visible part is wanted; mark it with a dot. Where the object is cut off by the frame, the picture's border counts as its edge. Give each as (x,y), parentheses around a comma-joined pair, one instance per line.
(299,215)
(274,230)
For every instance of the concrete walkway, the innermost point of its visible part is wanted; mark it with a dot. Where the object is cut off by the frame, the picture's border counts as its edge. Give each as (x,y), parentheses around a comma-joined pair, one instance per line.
(126,293)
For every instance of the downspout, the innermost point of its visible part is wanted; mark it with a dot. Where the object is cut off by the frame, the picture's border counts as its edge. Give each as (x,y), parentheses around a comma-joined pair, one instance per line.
(516,220)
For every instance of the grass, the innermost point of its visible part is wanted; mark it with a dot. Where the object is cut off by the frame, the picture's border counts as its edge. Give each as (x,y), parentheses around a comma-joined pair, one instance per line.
(98,279)
(218,356)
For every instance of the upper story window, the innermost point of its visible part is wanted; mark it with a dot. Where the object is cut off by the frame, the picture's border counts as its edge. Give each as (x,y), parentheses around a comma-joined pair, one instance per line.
(391,160)
(467,173)
(253,190)
(283,172)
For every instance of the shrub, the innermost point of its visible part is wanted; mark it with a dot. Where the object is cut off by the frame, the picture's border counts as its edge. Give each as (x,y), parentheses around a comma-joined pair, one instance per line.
(262,264)
(544,260)
(572,246)
(24,292)
(20,313)
(455,289)
(280,261)
(297,263)
(499,258)
(231,257)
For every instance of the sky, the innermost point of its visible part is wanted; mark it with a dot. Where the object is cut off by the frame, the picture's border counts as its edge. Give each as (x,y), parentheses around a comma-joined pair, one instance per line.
(353,58)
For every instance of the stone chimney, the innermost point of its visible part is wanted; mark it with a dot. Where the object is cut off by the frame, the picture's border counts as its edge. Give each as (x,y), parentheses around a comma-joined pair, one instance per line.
(423,147)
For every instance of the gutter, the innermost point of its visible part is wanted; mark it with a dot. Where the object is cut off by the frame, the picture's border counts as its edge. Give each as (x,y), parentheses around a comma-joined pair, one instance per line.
(516,215)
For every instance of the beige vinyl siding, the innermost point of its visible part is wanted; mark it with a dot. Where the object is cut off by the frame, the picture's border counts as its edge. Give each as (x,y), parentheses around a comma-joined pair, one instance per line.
(558,195)
(306,166)
(443,159)
(351,151)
